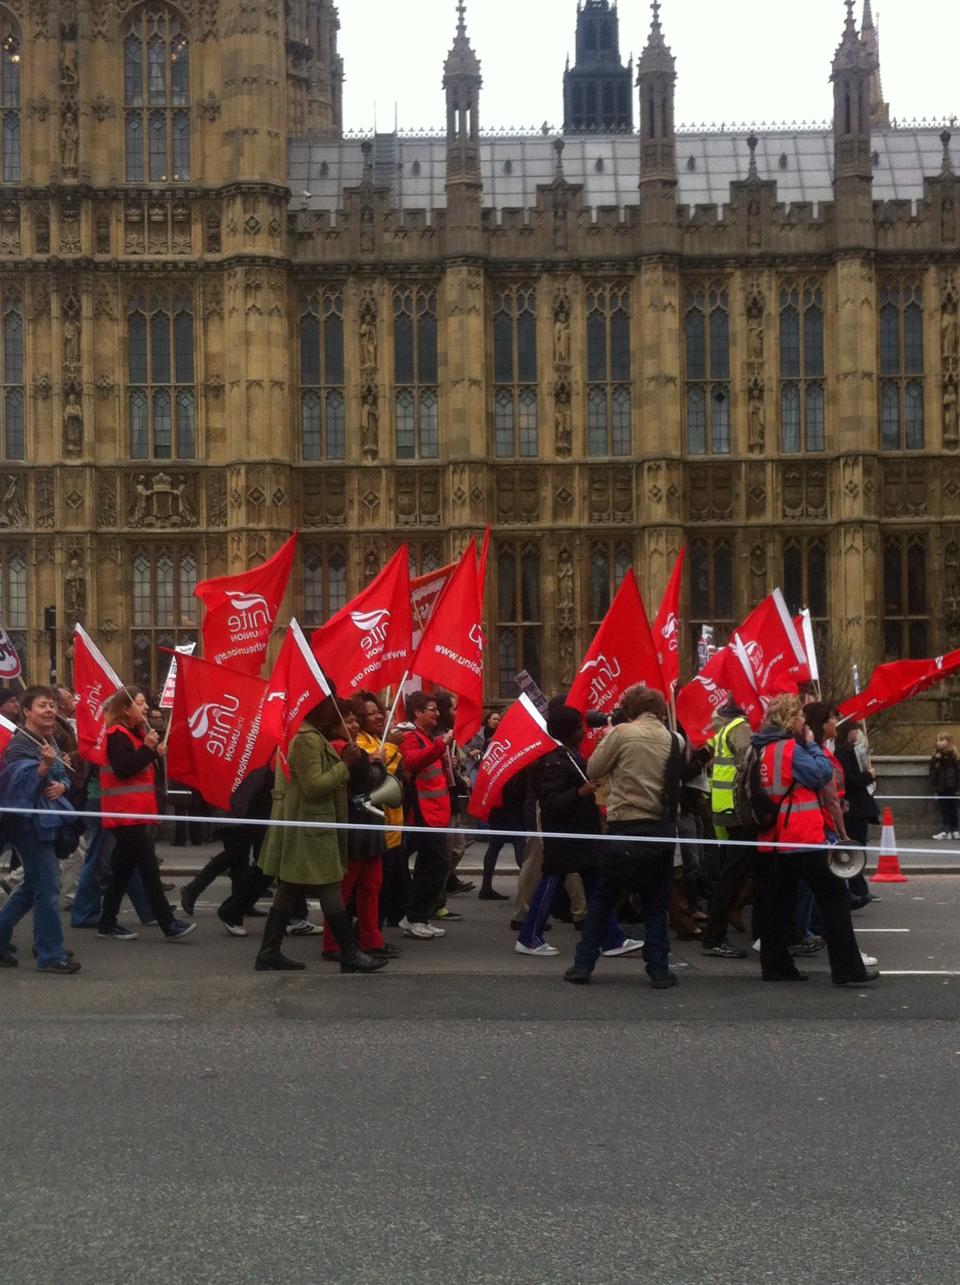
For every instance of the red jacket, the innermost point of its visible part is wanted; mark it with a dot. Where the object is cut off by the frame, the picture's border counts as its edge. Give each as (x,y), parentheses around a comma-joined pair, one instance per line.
(799,821)
(133,792)
(423,764)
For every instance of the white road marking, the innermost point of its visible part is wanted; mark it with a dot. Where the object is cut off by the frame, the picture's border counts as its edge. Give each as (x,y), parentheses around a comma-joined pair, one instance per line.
(920,972)
(881,930)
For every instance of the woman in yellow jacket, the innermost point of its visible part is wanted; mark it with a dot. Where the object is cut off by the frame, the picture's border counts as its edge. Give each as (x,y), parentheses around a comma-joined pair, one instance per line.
(394,891)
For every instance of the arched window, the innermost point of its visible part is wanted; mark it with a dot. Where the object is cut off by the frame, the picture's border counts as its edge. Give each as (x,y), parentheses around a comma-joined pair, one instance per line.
(164,608)
(515,372)
(608,370)
(13,442)
(519,626)
(10,100)
(324,582)
(322,403)
(901,366)
(415,371)
(161,396)
(707,349)
(801,367)
(156,95)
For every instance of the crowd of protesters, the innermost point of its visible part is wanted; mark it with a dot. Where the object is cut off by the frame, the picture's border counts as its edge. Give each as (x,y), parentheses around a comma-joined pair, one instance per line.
(631,804)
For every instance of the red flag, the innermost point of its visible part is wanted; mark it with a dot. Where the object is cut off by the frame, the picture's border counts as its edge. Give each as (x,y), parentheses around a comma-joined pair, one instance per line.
(722,679)
(241,609)
(94,681)
(899,681)
(296,685)
(521,738)
(776,653)
(425,592)
(621,654)
(666,627)
(8,731)
(368,642)
(450,654)
(216,736)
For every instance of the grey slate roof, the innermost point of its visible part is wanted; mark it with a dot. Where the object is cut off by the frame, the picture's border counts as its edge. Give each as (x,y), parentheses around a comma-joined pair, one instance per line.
(608,166)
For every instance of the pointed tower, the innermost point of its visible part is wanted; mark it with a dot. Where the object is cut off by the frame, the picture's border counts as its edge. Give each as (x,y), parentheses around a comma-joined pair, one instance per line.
(656,78)
(596,90)
(853,68)
(879,110)
(462,83)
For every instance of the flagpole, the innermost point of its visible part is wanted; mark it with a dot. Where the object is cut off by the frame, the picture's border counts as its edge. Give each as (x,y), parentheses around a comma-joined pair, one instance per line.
(393,707)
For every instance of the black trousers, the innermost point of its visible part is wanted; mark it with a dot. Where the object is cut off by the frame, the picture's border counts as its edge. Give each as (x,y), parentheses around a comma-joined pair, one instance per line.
(429,876)
(395,889)
(858,829)
(728,869)
(134,850)
(776,901)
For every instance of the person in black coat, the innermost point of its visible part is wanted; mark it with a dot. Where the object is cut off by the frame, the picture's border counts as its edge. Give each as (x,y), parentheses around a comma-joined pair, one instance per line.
(567,804)
(861,808)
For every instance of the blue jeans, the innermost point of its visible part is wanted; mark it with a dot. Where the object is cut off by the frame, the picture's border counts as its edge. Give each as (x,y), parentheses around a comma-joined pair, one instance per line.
(88,899)
(531,934)
(39,892)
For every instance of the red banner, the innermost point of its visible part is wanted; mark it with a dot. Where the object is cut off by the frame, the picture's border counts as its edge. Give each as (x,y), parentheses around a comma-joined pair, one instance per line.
(899,681)
(723,679)
(8,731)
(368,642)
(450,654)
(621,654)
(94,682)
(295,687)
(217,736)
(9,659)
(520,739)
(241,609)
(666,627)
(773,646)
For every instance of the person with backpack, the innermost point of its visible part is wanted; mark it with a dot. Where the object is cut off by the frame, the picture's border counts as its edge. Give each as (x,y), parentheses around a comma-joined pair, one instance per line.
(728,867)
(788,770)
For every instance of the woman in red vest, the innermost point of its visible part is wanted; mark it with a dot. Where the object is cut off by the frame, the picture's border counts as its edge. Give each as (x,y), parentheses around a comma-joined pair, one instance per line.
(127,786)
(793,771)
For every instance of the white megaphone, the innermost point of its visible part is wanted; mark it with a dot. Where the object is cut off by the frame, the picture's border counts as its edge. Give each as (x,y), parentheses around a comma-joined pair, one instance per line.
(847,862)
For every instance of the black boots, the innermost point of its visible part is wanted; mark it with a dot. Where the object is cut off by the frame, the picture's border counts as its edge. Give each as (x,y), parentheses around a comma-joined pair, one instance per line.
(270,957)
(352,958)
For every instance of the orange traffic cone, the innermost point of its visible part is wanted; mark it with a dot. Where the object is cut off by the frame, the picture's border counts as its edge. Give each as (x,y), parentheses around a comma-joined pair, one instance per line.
(888,867)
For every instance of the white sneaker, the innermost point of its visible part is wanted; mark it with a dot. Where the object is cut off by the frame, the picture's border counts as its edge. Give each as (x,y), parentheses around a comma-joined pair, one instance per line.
(423,932)
(437,932)
(542,949)
(235,930)
(303,928)
(869,961)
(626,947)
(955,834)
(943,834)
(756,945)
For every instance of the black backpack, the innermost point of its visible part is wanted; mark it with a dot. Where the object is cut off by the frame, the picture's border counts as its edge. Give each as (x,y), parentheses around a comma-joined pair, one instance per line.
(753,806)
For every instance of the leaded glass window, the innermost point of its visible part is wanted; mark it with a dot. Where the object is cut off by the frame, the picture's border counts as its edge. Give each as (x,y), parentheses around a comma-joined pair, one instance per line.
(608,370)
(323,421)
(515,404)
(802,425)
(161,392)
(14,440)
(519,627)
(416,373)
(906,613)
(324,582)
(156,95)
(706,329)
(164,610)
(901,366)
(10,68)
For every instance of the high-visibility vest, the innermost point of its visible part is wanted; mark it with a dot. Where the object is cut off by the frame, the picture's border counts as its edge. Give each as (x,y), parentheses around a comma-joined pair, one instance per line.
(127,794)
(432,787)
(839,780)
(799,821)
(723,771)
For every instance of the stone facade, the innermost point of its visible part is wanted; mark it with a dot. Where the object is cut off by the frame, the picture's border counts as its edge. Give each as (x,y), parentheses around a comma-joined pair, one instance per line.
(210,359)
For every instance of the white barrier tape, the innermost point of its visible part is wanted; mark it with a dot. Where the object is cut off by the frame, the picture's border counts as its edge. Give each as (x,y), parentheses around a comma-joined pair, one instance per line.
(915,798)
(144,818)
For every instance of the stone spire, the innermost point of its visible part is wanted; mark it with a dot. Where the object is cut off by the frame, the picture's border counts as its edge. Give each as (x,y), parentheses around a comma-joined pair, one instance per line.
(462,82)
(853,67)
(656,81)
(879,110)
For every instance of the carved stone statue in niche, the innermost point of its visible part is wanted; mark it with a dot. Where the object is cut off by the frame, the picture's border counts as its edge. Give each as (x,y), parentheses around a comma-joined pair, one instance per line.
(565,590)
(755,324)
(71,342)
(949,329)
(367,233)
(368,335)
(68,65)
(564,426)
(74,587)
(69,140)
(9,228)
(951,427)
(561,332)
(370,423)
(757,436)
(73,424)
(12,511)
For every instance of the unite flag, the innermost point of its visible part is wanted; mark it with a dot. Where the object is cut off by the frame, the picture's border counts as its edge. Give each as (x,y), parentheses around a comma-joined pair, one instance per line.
(217,737)
(241,609)
(295,687)
(95,681)
(450,653)
(368,642)
(520,739)
(666,627)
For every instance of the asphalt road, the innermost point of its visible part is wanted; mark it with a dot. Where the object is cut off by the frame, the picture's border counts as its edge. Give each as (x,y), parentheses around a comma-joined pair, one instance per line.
(465,1116)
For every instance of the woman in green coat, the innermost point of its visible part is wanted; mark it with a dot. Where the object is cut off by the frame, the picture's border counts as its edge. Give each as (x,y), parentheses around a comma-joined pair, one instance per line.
(311,862)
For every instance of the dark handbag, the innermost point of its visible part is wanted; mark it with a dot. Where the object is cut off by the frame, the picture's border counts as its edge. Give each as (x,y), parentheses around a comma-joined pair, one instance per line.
(66,839)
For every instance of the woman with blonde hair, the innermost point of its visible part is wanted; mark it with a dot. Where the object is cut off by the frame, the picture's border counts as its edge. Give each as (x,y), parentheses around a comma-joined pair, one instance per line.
(793,771)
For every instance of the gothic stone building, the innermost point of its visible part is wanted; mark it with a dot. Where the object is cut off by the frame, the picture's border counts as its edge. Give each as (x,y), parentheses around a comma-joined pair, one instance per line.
(223,318)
